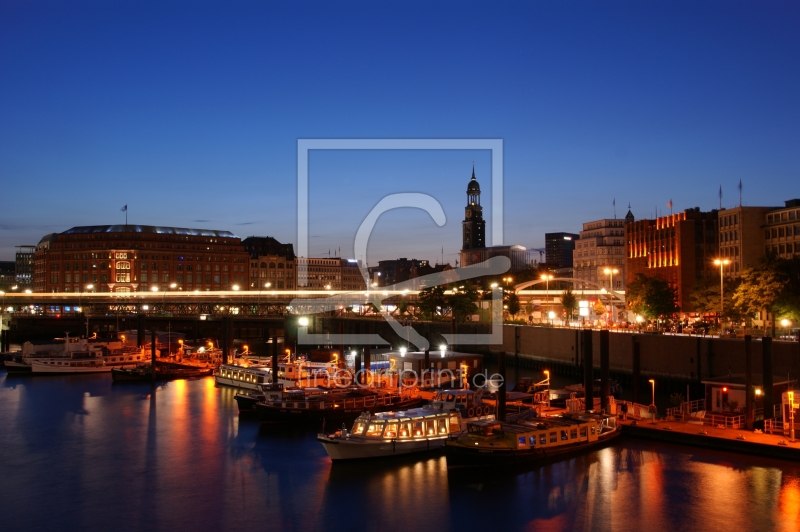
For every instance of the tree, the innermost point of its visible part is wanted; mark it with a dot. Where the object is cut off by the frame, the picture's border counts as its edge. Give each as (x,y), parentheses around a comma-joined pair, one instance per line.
(771,286)
(569,301)
(599,308)
(651,297)
(430,299)
(513,304)
(705,298)
(462,301)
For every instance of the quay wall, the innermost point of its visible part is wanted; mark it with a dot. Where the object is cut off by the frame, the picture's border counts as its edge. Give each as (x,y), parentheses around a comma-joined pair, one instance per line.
(687,358)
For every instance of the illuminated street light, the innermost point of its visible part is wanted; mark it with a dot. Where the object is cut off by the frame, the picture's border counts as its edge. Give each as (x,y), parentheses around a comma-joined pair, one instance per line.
(610,272)
(443,349)
(546,278)
(721,263)
(402,351)
(303,322)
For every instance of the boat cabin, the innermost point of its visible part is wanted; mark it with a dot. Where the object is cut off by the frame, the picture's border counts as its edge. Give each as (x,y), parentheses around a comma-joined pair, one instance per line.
(409,425)
(541,433)
(250,374)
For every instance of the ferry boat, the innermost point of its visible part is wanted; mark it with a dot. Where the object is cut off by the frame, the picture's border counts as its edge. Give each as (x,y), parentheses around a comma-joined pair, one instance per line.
(248,376)
(529,441)
(77,362)
(333,406)
(405,432)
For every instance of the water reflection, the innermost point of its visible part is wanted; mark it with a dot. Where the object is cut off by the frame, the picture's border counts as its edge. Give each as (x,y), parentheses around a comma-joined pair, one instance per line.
(178,457)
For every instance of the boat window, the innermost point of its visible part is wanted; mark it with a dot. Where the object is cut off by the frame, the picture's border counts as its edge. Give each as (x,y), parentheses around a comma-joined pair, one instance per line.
(454,425)
(573,434)
(358,427)
(553,437)
(521,441)
(405,430)
(583,432)
(431,427)
(419,429)
(593,429)
(391,430)
(542,439)
(532,440)
(375,429)
(564,436)
(451,397)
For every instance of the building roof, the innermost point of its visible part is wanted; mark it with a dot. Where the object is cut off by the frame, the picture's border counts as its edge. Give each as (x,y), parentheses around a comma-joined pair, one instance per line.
(93,229)
(259,246)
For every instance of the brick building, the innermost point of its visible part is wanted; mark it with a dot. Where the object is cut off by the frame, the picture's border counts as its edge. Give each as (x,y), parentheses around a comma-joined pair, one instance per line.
(129,258)
(272,264)
(679,248)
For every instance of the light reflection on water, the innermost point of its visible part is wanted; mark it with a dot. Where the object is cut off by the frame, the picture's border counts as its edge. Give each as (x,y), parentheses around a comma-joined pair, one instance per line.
(78,453)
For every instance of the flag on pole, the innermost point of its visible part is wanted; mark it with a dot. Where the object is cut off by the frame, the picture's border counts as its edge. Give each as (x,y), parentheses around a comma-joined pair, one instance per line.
(124,209)
(669,204)
(720,197)
(614,203)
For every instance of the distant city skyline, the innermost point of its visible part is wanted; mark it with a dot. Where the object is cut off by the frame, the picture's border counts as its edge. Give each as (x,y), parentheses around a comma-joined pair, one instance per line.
(190,115)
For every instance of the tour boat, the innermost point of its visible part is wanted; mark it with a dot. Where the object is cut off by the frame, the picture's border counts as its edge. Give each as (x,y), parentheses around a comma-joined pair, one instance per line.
(144,372)
(411,431)
(529,441)
(53,354)
(77,362)
(243,375)
(333,406)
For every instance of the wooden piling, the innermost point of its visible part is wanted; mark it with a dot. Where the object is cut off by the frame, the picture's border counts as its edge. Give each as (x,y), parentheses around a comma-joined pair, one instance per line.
(748,382)
(588,370)
(767,383)
(637,368)
(153,339)
(501,392)
(604,369)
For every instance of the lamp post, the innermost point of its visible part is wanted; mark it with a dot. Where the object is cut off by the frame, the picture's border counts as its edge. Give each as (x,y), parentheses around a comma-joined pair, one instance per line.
(610,272)
(721,263)
(653,403)
(546,278)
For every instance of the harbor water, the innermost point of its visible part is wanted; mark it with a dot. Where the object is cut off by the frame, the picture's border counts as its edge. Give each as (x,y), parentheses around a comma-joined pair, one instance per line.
(80,453)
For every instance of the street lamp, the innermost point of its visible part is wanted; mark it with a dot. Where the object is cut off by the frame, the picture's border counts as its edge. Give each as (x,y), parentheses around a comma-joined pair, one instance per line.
(610,272)
(547,383)
(721,263)
(653,404)
(546,278)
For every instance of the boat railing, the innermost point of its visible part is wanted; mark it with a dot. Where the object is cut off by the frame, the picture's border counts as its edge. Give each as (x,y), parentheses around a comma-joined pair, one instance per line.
(636,410)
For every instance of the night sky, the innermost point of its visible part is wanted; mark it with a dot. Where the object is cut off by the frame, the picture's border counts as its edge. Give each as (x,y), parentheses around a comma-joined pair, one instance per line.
(189,113)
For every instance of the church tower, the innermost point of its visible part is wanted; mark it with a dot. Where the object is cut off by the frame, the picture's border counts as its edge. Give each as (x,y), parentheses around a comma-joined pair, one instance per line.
(474,228)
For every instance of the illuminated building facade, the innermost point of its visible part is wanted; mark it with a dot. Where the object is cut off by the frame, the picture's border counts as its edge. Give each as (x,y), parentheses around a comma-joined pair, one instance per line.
(130,258)
(601,246)
(679,248)
(272,264)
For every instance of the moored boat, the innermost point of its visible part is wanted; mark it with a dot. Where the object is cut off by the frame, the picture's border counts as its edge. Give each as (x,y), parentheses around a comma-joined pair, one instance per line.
(333,406)
(404,432)
(78,362)
(528,442)
(248,376)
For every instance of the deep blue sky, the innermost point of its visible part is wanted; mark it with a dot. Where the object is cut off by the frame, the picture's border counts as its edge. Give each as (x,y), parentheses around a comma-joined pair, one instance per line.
(189,112)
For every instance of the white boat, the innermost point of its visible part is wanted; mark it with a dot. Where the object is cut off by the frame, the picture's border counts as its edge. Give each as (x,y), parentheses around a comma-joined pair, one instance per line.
(52,354)
(248,376)
(417,430)
(78,362)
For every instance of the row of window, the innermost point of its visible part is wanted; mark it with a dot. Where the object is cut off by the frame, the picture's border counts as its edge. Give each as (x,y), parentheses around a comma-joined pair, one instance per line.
(783,216)
(781,232)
